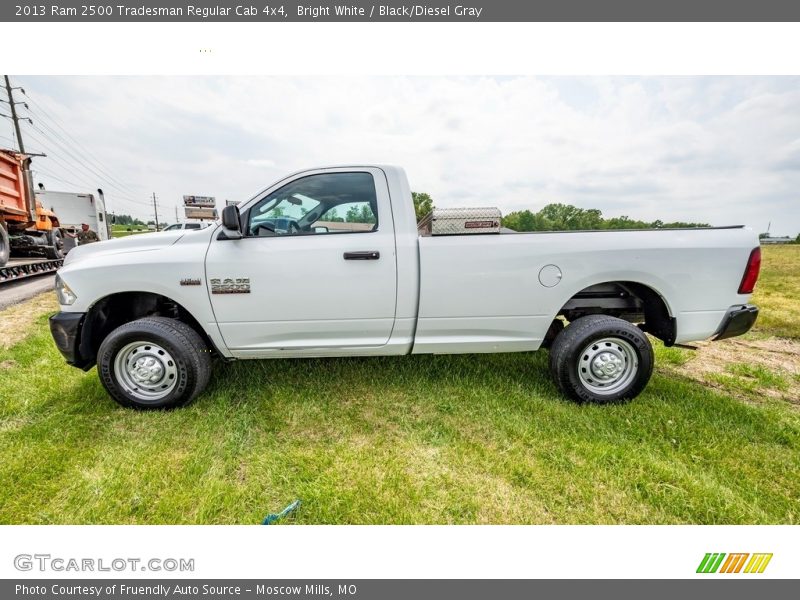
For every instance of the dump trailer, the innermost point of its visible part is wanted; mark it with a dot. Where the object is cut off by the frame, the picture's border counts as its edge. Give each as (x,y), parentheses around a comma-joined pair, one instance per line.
(27,228)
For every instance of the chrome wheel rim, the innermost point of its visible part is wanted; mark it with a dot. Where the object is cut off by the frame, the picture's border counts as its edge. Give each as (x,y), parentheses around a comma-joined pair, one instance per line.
(146,371)
(607,365)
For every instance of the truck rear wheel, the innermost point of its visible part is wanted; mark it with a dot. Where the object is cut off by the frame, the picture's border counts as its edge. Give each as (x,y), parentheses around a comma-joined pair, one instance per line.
(601,359)
(154,362)
(55,247)
(5,246)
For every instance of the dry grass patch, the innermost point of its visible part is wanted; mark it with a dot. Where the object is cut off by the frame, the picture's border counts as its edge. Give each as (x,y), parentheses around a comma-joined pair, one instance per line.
(16,322)
(748,368)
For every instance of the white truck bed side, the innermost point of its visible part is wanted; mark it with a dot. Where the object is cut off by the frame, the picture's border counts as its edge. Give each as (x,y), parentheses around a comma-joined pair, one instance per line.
(483,294)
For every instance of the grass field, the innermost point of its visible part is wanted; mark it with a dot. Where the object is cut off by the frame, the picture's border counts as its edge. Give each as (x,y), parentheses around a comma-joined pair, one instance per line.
(122,230)
(461,439)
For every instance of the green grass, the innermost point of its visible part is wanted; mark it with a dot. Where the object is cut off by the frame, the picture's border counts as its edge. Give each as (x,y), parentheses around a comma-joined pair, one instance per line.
(441,439)
(778,291)
(429,439)
(759,375)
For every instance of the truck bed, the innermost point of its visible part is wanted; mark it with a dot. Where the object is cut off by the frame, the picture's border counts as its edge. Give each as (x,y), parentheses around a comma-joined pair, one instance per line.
(505,290)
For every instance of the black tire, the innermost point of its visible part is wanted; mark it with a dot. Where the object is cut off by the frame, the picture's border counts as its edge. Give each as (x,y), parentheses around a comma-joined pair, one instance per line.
(55,249)
(5,246)
(601,359)
(161,347)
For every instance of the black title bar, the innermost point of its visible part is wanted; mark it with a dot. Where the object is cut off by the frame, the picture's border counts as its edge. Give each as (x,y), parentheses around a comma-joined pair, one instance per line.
(431,11)
(394,589)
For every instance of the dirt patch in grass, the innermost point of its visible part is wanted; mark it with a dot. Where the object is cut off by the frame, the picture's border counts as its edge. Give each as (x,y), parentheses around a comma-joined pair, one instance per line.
(16,321)
(748,368)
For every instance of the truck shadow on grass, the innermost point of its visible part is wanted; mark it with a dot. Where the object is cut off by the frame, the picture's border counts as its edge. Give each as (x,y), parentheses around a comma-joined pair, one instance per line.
(415,376)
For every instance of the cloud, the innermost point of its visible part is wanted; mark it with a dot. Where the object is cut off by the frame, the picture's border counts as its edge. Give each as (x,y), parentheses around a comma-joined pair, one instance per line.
(718,149)
(260,162)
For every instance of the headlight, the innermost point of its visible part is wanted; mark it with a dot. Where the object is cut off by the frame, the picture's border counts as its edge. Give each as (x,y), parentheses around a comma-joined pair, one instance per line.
(65,295)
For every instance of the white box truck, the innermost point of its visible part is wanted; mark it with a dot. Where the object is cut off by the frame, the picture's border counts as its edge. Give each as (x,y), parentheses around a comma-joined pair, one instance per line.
(73,209)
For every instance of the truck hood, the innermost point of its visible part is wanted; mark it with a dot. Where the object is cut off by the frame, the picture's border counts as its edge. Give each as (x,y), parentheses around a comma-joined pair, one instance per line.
(133,243)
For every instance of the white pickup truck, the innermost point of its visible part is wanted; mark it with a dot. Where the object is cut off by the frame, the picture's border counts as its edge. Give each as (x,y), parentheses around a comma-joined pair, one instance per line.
(330,262)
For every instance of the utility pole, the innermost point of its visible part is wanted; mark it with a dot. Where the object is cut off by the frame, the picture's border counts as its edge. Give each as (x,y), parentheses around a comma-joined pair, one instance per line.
(176,214)
(155,210)
(13,106)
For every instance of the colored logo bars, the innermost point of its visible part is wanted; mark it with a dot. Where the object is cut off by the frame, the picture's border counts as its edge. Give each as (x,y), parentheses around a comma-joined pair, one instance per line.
(713,563)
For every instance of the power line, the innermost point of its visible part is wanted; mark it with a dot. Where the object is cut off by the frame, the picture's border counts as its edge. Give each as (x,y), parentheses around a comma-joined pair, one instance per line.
(89,176)
(50,175)
(46,115)
(54,138)
(97,170)
(54,156)
(65,147)
(84,181)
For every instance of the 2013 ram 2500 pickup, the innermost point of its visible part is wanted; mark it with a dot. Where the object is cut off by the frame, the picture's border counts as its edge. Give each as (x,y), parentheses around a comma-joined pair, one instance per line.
(331,262)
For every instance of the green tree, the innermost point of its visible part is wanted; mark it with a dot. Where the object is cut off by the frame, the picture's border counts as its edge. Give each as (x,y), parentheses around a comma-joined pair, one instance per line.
(333,216)
(682,225)
(565,217)
(360,215)
(423,204)
(126,220)
(525,220)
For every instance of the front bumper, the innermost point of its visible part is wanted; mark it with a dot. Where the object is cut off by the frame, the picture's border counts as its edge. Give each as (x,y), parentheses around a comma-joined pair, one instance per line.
(66,329)
(738,320)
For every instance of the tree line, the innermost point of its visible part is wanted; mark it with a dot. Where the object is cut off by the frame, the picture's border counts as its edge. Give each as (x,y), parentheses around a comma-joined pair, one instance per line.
(128,220)
(565,217)
(561,217)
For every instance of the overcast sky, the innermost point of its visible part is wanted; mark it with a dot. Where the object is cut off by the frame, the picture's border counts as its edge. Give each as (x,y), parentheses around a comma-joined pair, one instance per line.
(723,150)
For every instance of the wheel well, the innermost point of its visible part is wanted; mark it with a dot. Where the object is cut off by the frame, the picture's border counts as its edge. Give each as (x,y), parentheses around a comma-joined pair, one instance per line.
(628,300)
(115,310)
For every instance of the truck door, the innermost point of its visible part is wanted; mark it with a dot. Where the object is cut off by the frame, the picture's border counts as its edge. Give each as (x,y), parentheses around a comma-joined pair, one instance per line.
(315,269)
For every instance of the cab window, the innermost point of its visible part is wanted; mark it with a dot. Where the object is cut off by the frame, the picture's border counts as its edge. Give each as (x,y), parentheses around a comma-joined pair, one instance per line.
(323,204)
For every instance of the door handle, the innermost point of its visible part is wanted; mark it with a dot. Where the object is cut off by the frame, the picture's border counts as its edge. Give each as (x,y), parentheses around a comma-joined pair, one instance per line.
(365,255)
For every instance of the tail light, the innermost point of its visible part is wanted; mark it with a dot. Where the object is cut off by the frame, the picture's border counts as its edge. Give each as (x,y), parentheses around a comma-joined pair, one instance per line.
(751,272)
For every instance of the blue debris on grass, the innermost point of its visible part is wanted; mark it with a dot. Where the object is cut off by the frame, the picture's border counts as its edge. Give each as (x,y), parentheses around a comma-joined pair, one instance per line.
(271,518)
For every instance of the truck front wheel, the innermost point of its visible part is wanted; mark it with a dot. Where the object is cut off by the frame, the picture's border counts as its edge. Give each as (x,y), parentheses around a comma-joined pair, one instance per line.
(601,359)
(154,362)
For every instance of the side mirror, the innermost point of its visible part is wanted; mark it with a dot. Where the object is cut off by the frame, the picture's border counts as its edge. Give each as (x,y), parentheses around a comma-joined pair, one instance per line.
(232,227)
